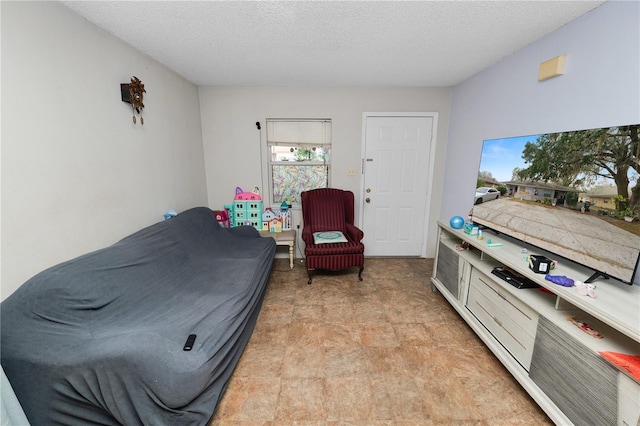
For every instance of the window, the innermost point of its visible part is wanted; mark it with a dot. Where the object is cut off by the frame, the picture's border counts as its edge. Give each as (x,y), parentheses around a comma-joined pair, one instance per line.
(299,157)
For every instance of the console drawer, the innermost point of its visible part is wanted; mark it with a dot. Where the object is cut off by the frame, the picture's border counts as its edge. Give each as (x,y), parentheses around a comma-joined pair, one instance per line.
(509,320)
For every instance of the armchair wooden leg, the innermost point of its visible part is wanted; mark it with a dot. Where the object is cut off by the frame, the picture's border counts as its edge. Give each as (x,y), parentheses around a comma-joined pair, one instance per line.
(310,277)
(360,273)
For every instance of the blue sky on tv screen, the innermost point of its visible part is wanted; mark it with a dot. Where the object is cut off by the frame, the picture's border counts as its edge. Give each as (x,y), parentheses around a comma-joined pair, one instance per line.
(501,156)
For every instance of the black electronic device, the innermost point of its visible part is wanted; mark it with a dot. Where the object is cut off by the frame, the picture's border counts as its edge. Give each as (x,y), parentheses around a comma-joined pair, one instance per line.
(513,278)
(189,344)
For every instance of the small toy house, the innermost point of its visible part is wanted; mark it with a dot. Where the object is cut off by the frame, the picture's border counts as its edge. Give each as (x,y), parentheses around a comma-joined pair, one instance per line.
(285,215)
(268,215)
(275,225)
(247,209)
(222,216)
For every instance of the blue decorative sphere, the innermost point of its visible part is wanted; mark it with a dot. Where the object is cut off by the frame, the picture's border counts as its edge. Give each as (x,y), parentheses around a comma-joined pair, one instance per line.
(456,222)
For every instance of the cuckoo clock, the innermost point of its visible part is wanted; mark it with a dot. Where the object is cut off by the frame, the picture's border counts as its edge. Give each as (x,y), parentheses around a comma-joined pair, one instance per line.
(133,93)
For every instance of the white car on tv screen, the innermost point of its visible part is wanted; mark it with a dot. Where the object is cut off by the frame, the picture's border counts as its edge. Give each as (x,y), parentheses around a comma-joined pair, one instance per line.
(486,194)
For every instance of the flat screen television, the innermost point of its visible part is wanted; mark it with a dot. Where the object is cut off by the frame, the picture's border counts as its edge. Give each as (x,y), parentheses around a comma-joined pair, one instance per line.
(575,194)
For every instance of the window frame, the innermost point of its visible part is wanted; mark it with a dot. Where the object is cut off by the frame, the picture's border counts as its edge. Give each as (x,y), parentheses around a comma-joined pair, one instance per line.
(321,139)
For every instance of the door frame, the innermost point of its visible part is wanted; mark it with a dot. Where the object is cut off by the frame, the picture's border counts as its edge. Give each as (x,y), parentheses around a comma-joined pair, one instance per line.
(432,155)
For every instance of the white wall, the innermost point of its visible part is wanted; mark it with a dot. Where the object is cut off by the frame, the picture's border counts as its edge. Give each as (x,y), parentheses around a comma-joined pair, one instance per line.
(232,142)
(601,87)
(77,174)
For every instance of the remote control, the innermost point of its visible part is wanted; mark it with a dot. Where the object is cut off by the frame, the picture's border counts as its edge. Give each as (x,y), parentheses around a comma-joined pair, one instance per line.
(189,344)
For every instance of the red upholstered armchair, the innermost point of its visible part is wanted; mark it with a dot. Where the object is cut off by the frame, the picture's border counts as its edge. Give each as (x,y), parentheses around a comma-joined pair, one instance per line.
(330,209)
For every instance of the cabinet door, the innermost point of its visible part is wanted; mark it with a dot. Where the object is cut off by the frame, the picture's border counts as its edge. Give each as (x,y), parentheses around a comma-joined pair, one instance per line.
(578,381)
(628,401)
(447,268)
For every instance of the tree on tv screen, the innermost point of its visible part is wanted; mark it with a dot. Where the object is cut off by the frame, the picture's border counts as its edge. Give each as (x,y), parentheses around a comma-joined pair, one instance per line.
(581,157)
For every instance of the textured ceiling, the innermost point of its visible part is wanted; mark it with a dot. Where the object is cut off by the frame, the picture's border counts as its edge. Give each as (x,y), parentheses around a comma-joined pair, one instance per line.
(329,43)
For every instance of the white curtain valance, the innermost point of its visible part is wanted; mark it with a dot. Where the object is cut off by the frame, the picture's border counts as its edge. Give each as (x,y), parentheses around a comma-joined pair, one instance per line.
(303,132)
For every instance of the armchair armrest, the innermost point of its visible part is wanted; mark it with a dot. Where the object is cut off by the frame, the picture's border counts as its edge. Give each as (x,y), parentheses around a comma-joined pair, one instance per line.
(307,235)
(354,233)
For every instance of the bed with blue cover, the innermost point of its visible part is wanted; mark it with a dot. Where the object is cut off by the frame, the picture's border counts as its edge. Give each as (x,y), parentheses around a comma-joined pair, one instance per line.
(99,339)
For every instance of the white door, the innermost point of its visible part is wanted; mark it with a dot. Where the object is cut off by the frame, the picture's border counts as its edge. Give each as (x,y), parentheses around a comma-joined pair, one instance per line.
(396,183)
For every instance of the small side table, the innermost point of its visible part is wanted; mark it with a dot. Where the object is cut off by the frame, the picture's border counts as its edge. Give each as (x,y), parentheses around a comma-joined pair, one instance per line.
(284,238)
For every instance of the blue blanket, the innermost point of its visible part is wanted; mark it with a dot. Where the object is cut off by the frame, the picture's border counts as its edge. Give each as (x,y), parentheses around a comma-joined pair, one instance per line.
(99,339)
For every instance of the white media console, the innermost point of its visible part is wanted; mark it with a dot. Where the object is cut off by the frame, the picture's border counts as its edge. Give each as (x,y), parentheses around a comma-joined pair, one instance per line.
(555,361)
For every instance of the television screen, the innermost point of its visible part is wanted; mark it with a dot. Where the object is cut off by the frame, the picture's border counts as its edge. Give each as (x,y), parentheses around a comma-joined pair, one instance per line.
(574,193)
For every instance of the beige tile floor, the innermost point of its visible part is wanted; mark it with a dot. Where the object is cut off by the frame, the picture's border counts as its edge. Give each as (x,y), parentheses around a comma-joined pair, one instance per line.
(384,351)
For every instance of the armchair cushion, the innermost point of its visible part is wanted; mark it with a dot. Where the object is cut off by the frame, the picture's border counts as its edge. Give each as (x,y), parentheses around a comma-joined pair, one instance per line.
(350,247)
(329,237)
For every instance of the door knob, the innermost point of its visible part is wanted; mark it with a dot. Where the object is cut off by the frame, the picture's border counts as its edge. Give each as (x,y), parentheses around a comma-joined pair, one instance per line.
(367,200)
